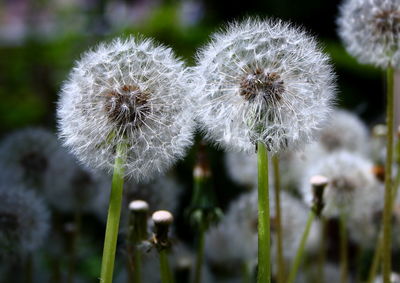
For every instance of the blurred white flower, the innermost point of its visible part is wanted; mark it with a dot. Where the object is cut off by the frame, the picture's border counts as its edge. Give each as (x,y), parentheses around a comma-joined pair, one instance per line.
(262,81)
(234,241)
(370,30)
(24,221)
(127,91)
(26,155)
(353,188)
(344,131)
(80,189)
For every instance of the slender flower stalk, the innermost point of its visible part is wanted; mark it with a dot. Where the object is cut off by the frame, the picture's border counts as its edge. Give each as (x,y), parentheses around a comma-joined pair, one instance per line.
(203,211)
(343,248)
(113,217)
(387,213)
(137,232)
(318,184)
(278,222)
(264,256)
(300,251)
(373,271)
(162,221)
(322,252)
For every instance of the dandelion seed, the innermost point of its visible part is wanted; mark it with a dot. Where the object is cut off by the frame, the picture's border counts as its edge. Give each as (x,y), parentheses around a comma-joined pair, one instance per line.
(371,31)
(262,81)
(131,91)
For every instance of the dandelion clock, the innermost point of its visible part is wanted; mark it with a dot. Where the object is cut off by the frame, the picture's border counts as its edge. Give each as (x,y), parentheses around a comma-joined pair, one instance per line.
(125,108)
(265,86)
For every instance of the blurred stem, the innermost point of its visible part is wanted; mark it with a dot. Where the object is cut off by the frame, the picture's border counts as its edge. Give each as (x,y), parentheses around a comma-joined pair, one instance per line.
(264,256)
(113,217)
(299,255)
(137,262)
(246,273)
(199,254)
(73,245)
(387,213)
(166,276)
(29,268)
(278,222)
(379,246)
(376,259)
(322,252)
(343,248)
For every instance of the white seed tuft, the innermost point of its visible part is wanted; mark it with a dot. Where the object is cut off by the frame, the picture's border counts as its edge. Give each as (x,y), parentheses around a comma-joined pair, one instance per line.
(127,91)
(262,81)
(370,31)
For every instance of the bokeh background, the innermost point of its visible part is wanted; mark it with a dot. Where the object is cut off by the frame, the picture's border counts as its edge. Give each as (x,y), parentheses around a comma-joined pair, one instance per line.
(41,39)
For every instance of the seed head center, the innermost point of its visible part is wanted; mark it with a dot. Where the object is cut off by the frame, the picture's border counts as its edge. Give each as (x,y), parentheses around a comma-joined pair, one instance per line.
(269,86)
(8,221)
(387,21)
(33,162)
(127,106)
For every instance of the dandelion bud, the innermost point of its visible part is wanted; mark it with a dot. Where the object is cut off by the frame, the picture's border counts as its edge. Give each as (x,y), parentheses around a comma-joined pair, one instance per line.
(262,81)
(137,221)
(318,184)
(162,221)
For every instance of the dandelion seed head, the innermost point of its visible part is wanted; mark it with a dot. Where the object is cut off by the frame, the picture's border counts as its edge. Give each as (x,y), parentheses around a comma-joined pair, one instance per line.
(26,155)
(370,30)
(132,91)
(234,240)
(69,186)
(262,81)
(344,131)
(351,183)
(24,221)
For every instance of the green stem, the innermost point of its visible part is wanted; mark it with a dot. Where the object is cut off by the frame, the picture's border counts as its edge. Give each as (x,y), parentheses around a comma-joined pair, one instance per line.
(277,187)
(166,276)
(264,257)
(246,274)
(299,255)
(387,213)
(322,252)
(373,271)
(379,246)
(29,268)
(343,248)
(113,217)
(199,255)
(137,265)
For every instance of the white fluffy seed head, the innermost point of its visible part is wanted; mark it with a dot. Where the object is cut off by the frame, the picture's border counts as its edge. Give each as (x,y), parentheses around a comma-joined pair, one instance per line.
(262,81)
(344,131)
(370,30)
(351,185)
(24,221)
(127,91)
(26,157)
